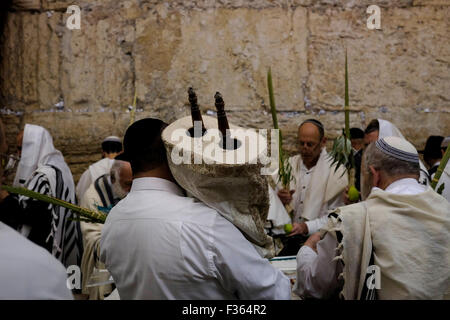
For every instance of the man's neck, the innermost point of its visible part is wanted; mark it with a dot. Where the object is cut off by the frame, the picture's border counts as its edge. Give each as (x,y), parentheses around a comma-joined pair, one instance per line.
(388,181)
(162,172)
(311,164)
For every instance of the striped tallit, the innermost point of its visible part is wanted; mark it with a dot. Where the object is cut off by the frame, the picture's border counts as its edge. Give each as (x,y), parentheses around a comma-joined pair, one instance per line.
(42,169)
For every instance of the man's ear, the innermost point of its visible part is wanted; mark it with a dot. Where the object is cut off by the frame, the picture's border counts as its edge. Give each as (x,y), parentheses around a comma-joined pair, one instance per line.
(323,142)
(375,176)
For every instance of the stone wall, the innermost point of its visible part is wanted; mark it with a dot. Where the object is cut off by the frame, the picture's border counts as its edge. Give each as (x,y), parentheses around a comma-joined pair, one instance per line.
(78,83)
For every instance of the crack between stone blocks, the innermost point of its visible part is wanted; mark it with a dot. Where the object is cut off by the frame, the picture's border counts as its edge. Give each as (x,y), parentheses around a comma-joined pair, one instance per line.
(306,83)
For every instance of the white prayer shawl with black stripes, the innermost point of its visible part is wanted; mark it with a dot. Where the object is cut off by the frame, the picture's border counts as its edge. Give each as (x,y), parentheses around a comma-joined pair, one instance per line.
(42,168)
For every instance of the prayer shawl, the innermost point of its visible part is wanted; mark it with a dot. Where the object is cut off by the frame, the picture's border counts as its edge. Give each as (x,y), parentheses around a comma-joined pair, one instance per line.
(409,237)
(387,129)
(325,185)
(41,164)
(94,171)
(98,194)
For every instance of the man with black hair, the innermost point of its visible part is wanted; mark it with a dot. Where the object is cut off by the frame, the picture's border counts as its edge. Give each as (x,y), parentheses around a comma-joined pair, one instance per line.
(159,244)
(111,147)
(379,128)
(317,187)
(432,154)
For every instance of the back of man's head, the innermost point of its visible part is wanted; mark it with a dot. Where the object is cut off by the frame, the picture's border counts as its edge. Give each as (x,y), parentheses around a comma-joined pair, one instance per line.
(373,125)
(143,146)
(432,150)
(395,156)
(111,145)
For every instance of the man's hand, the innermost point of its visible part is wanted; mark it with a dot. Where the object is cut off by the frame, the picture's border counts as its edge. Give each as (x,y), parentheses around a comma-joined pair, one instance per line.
(312,241)
(299,228)
(285,196)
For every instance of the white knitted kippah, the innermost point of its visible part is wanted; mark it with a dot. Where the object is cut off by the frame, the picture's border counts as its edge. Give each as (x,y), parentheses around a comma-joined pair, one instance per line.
(398,148)
(112,138)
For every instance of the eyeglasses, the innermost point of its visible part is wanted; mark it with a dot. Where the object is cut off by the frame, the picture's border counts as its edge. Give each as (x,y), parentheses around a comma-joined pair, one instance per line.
(8,162)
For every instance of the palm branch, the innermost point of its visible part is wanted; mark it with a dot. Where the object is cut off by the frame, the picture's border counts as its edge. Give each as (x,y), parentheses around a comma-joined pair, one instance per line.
(82,213)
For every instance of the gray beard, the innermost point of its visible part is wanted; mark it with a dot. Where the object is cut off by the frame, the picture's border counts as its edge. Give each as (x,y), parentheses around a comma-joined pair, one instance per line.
(118,191)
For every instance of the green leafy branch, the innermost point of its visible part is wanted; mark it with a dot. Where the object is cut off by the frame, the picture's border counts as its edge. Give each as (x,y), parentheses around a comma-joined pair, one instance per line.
(285,168)
(342,151)
(83,213)
(439,171)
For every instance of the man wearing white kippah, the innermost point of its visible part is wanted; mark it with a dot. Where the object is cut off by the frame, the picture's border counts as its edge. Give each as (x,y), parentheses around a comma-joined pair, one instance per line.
(393,245)
(111,147)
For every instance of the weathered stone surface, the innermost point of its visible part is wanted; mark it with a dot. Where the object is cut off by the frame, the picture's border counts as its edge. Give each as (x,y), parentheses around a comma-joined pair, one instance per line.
(78,83)
(396,66)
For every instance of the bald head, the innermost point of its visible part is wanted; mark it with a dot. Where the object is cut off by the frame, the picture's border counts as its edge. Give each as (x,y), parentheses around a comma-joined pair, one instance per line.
(311,140)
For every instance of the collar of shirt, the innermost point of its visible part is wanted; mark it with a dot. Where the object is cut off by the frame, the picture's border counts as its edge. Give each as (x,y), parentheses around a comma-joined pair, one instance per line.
(304,169)
(436,164)
(405,186)
(156,184)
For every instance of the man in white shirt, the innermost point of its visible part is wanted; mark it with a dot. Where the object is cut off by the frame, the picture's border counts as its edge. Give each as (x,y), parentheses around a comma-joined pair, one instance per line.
(399,235)
(159,244)
(103,194)
(111,147)
(317,187)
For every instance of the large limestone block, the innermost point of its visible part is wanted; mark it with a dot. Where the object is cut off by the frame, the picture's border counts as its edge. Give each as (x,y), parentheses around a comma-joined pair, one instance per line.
(396,66)
(97,67)
(225,50)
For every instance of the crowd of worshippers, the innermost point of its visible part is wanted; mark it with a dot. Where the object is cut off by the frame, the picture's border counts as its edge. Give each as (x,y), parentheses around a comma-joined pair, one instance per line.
(159,243)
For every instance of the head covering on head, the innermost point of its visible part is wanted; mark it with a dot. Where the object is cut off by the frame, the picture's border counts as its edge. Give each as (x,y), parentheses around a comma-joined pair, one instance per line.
(398,148)
(40,156)
(387,129)
(38,150)
(356,133)
(142,136)
(432,148)
(112,139)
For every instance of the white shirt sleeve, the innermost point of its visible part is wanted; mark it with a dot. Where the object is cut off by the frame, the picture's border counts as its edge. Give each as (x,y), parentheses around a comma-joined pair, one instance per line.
(242,271)
(317,274)
(316,224)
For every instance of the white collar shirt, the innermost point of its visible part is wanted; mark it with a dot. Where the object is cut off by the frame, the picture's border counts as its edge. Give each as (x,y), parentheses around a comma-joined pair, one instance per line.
(159,244)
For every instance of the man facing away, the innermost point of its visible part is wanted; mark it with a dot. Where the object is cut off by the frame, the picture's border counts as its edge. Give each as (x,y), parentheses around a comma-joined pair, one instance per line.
(27,271)
(111,147)
(159,244)
(102,195)
(432,154)
(42,169)
(317,187)
(399,235)
(379,128)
